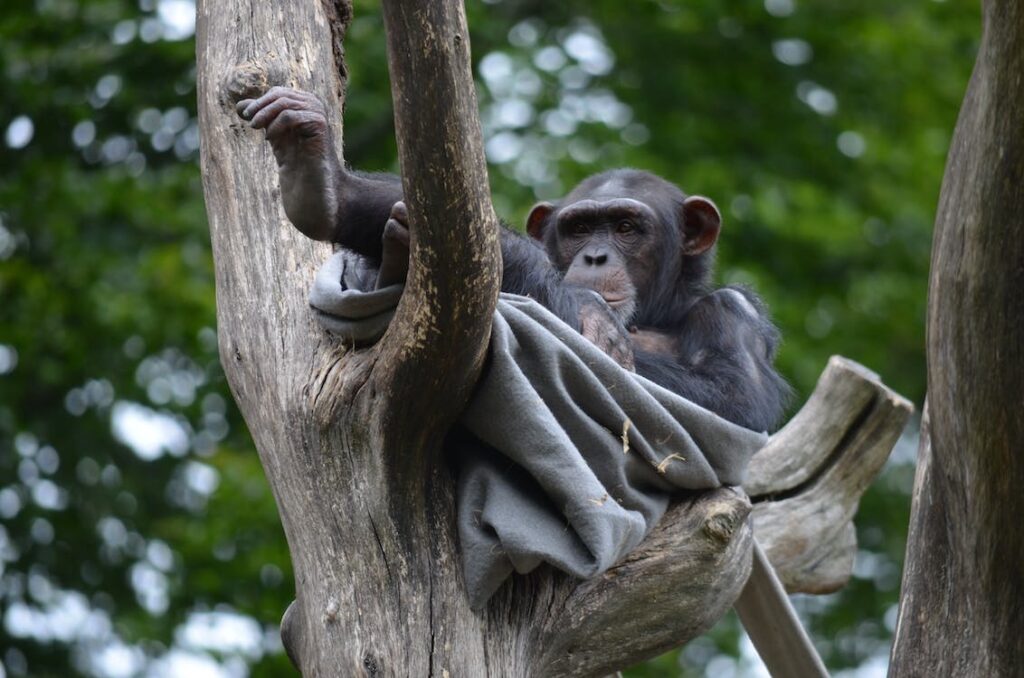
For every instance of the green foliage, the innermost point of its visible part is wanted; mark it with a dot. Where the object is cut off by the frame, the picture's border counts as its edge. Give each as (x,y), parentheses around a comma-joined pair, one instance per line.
(134,517)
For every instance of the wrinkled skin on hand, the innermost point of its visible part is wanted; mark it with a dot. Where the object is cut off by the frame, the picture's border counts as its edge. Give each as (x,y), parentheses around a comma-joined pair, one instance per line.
(312,179)
(600,325)
(295,124)
(394,264)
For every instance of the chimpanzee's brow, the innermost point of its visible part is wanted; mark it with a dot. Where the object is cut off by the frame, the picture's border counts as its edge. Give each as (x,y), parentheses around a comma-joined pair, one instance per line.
(617,207)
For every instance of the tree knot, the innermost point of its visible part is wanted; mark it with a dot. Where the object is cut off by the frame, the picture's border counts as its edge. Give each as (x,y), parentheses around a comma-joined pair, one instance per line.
(722,521)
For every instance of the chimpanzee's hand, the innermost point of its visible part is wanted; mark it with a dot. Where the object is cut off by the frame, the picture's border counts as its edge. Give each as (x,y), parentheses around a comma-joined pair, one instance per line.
(600,325)
(309,170)
(295,124)
(394,262)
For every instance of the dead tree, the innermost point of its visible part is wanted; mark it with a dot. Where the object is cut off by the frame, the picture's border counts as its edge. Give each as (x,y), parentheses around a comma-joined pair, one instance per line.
(350,440)
(962,600)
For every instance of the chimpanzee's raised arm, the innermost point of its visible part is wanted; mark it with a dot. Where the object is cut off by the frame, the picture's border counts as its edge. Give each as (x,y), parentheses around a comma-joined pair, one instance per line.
(625,247)
(322,199)
(326,201)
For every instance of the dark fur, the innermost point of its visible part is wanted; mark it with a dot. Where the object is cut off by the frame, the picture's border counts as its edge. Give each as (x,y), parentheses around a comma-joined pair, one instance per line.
(723,349)
(366,206)
(723,344)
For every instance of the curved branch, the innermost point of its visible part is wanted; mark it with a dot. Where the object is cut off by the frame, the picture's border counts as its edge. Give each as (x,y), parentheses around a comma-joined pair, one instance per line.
(681,580)
(433,352)
(845,391)
(691,569)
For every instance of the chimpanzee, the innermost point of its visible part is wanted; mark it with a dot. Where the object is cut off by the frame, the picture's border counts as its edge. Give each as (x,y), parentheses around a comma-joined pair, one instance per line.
(625,249)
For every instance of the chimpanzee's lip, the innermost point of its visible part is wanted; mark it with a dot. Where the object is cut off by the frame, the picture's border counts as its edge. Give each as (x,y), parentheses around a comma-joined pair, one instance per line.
(614,301)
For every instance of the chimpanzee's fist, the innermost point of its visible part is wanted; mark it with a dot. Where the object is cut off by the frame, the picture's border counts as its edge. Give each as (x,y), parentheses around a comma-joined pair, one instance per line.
(295,124)
(600,325)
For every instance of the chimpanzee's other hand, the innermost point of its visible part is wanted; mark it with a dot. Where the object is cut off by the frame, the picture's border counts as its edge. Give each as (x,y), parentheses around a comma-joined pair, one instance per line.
(394,263)
(600,325)
(295,124)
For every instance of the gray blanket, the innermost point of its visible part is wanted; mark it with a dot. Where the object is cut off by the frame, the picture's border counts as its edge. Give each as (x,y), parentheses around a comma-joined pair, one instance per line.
(564,457)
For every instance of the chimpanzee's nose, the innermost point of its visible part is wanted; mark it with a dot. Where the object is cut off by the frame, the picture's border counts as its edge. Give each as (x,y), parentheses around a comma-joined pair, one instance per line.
(595,260)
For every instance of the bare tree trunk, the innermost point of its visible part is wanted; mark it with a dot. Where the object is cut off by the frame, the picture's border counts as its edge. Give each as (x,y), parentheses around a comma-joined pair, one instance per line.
(350,439)
(962,601)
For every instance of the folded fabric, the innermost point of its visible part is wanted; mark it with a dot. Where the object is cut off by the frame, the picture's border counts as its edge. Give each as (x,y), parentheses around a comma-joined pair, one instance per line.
(562,457)
(345,301)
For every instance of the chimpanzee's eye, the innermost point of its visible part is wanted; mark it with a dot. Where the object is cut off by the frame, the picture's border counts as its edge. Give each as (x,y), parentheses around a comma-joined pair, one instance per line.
(578,228)
(625,227)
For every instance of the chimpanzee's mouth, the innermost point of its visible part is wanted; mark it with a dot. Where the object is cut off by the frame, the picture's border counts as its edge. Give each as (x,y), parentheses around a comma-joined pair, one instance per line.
(614,301)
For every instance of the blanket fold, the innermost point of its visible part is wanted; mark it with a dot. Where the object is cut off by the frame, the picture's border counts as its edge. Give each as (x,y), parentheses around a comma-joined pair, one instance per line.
(562,456)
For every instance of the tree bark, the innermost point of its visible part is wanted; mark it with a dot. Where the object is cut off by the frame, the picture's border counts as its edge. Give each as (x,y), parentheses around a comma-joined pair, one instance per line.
(962,598)
(806,483)
(350,440)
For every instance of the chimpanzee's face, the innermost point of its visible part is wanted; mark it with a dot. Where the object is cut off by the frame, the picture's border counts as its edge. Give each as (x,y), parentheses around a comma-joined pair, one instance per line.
(625,234)
(610,246)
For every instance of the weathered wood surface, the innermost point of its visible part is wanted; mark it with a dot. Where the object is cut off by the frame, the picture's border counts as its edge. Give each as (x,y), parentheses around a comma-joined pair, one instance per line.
(962,598)
(807,481)
(773,626)
(671,589)
(349,439)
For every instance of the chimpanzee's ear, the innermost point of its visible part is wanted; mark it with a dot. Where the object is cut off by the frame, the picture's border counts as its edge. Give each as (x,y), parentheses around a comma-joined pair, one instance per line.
(538,219)
(701,223)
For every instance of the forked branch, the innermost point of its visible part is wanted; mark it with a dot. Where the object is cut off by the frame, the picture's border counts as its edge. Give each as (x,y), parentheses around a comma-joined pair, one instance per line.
(807,482)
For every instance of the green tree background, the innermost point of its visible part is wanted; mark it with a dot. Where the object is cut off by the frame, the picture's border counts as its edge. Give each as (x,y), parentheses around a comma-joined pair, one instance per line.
(137,532)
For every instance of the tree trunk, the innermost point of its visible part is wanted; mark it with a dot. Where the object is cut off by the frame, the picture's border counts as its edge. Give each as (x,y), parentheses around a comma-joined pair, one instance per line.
(350,440)
(962,600)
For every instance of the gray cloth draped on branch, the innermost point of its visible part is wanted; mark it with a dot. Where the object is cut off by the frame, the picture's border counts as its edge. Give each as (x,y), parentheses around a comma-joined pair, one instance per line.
(563,457)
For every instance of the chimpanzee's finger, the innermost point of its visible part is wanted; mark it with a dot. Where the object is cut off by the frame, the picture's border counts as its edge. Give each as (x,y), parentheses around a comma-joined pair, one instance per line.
(624,357)
(255,105)
(400,214)
(275,93)
(269,113)
(241,106)
(299,123)
(396,231)
(621,353)
(394,261)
